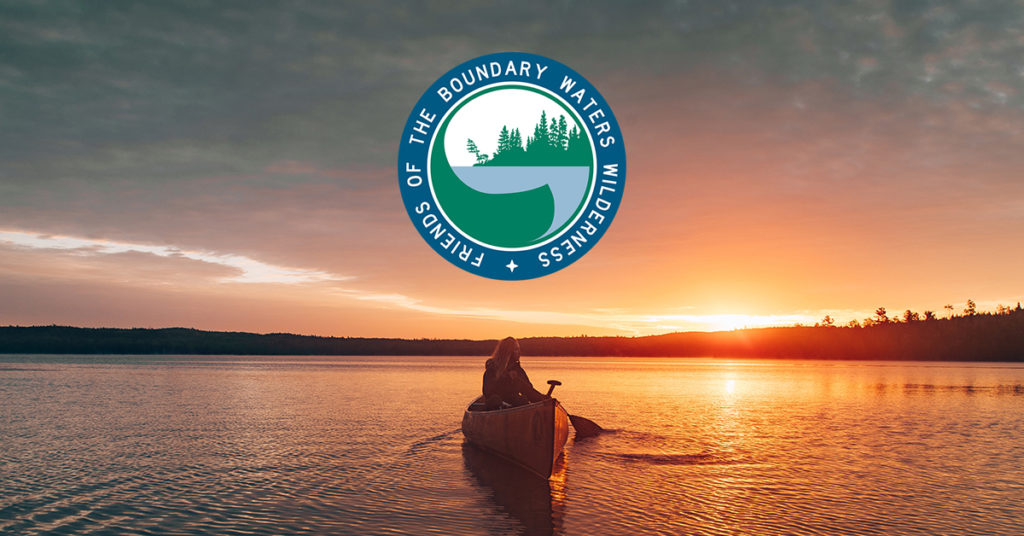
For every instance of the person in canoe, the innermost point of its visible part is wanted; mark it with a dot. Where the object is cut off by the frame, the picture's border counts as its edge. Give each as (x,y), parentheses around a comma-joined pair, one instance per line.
(505,382)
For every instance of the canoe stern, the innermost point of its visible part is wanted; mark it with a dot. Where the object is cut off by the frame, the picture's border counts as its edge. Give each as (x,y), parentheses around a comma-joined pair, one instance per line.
(532,436)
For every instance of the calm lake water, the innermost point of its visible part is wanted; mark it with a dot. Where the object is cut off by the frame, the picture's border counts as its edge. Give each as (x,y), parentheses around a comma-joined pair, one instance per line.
(371,445)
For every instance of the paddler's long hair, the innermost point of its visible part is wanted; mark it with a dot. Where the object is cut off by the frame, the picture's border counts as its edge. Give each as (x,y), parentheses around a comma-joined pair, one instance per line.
(506,354)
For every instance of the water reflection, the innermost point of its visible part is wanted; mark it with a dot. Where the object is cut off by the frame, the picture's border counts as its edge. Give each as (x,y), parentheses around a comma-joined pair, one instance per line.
(296,445)
(536,504)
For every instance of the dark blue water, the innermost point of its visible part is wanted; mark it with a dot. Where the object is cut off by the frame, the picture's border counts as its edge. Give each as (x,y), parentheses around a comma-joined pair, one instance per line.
(332,445)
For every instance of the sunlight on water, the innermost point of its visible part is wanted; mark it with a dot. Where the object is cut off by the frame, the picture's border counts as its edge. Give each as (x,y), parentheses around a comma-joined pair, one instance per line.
(371,445)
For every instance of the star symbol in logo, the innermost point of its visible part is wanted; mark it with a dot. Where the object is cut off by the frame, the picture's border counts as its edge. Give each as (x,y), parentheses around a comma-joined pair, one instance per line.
(512,265)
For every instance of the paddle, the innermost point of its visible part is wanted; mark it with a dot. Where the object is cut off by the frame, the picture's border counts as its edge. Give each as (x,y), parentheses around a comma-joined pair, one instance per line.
(584,426)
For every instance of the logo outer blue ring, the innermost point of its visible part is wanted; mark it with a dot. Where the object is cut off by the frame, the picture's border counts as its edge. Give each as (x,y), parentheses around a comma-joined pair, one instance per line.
(495,262)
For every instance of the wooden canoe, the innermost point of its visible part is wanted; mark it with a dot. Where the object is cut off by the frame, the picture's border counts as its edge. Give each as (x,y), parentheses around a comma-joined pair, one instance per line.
(531,436)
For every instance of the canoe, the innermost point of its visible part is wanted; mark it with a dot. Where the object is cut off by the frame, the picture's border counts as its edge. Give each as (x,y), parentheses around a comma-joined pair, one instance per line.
(532,436)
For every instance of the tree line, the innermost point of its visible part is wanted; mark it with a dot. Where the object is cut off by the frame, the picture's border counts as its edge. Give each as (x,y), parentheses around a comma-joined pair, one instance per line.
(882,317)
(981,336)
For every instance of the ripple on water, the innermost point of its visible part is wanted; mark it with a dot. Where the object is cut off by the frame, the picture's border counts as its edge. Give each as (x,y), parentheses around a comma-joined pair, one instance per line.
(694,447)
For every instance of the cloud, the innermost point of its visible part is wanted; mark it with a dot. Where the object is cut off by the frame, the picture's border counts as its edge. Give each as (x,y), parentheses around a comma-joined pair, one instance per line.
(163,93)
(245,269)
(232,86)
(240,269)
(94,264)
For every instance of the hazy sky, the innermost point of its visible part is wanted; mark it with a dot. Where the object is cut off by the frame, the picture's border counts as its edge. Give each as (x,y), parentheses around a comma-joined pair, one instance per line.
(231,165)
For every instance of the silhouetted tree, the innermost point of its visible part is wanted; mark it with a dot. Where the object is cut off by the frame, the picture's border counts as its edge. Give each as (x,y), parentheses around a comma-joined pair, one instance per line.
(949,310)
(883,318)
(828,321)
(910,316)
(971,309)
(929,315)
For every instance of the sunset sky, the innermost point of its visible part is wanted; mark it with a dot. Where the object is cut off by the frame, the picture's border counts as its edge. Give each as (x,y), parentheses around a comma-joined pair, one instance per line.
(232,167)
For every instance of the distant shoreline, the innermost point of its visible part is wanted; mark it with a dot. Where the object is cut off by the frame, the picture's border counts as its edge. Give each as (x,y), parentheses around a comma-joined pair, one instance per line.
(981,337)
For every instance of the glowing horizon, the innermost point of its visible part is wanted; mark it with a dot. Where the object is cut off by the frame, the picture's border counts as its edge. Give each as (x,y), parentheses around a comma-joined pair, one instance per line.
(315,284)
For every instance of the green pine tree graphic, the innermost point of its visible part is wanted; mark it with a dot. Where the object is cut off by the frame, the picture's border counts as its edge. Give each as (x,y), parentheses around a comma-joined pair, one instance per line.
(552,144)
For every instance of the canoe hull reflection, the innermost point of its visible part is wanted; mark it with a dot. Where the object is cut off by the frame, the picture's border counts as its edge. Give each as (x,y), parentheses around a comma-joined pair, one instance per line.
(537,504)
(532,436)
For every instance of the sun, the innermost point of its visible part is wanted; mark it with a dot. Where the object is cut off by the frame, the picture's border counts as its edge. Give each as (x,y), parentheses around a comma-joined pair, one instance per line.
(732,321)
(729,322)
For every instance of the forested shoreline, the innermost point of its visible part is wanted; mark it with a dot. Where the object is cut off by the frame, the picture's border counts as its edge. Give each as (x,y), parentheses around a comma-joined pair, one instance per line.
(971,337)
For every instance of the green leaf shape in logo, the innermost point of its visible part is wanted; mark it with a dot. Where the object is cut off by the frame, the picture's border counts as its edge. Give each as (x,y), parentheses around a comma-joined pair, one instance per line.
(510,220)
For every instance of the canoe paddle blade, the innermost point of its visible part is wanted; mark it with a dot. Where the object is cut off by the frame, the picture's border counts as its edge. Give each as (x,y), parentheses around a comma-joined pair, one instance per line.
(584,427)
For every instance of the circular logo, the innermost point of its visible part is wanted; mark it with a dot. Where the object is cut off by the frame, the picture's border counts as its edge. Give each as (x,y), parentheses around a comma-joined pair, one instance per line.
(511,166)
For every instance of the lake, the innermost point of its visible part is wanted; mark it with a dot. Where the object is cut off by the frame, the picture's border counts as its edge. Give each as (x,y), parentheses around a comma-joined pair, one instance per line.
(371,445)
